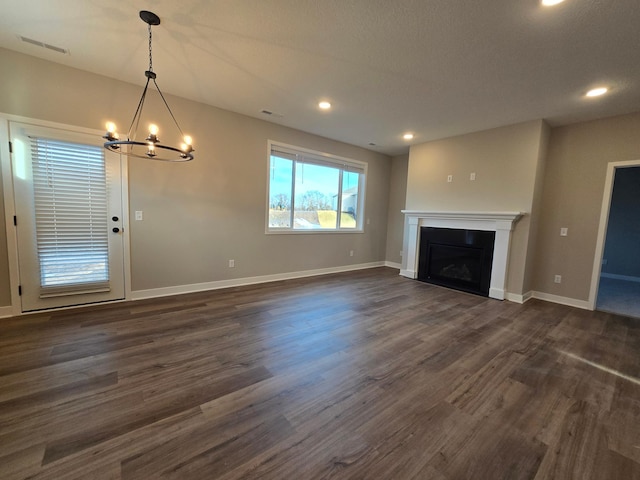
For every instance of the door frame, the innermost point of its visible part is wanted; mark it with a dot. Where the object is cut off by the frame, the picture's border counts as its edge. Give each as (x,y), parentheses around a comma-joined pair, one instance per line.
(602,228)
(9,208)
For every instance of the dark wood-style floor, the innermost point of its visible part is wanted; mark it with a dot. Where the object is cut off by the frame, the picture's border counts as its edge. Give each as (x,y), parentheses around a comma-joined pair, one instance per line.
(363,375)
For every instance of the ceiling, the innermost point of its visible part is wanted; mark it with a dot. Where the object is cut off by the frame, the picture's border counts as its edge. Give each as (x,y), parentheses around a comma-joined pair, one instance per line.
(436,68)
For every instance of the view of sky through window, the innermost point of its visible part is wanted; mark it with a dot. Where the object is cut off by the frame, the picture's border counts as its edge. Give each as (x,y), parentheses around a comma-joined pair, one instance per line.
(315,192)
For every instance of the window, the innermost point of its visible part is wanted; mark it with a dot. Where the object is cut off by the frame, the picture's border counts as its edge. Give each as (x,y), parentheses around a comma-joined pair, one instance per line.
(312,191)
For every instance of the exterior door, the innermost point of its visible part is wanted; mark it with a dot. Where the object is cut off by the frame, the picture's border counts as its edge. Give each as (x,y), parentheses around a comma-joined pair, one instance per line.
(68,198)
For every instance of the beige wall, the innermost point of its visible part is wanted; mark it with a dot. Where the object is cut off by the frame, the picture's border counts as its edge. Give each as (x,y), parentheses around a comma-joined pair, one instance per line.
(506,161)
(197,215)
(397,198)
(573,191)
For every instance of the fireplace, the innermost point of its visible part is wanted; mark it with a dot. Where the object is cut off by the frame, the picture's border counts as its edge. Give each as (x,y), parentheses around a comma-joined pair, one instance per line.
(456,258)
(500,223)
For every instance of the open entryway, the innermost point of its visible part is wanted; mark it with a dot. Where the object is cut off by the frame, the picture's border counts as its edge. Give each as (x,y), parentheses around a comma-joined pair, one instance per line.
(69,217)
(618,255)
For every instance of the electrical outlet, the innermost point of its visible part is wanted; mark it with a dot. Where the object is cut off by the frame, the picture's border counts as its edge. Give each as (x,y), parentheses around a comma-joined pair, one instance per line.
(564,231)
(138,215)
(232,263)
(557,279)
(351,253)
(472,176)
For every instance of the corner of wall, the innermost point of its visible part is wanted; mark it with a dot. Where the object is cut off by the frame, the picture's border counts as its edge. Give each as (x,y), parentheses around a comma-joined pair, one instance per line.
(536,207)
(397,201)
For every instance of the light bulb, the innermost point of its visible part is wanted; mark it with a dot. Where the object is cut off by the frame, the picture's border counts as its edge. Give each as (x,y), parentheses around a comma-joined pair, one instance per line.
(111,127)
(153,129)
(187,140)
(184,147)
(152,150)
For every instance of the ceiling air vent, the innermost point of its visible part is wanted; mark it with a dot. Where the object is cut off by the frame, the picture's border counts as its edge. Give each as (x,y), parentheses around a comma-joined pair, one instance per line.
(271,114)
(38,43)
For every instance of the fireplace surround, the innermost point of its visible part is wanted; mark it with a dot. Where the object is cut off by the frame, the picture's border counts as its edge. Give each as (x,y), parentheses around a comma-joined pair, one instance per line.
(499,222)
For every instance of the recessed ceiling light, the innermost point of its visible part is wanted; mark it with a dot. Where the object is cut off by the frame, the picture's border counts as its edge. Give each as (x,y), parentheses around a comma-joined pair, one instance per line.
(324,105)
(550,3)
(408,136)
(596,92)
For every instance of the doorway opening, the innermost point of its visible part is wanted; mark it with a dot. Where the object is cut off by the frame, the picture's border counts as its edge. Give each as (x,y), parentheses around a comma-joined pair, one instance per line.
(617,267)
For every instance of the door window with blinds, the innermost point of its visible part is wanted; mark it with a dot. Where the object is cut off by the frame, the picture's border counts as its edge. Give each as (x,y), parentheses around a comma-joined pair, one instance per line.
(314,192)
(70,200)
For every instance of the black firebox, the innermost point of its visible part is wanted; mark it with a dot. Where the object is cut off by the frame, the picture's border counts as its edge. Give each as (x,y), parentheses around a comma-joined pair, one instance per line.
(456,258)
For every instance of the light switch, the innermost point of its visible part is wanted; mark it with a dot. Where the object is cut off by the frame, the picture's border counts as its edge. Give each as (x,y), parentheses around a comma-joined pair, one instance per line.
(472,176)
(564,231)
(138,215)
(449,178)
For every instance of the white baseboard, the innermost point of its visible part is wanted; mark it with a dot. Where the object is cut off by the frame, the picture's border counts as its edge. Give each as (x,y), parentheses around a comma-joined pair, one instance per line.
(615,276)
(497,293)
(571,302)
(238,282)
(6,312)
(516,298)
(408,273)
(397,266)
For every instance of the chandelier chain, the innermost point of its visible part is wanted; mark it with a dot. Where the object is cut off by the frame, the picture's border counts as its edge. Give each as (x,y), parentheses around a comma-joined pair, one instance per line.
(150,55)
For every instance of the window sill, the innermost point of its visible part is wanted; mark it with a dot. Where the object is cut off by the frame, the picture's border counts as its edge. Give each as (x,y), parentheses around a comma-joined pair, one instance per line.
(310,231)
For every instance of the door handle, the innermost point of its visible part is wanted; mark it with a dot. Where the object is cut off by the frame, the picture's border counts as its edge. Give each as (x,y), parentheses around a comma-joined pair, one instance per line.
(115,229)
(115,219)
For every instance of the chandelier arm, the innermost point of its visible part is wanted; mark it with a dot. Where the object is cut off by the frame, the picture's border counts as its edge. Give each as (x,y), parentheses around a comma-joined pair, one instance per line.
(138,114)
(168,108)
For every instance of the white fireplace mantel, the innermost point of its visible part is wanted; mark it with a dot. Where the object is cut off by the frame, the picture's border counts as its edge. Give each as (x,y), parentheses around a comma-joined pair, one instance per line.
(499,222)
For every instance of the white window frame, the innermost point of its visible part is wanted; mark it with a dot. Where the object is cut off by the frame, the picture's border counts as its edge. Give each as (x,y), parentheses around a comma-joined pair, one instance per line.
(318,158)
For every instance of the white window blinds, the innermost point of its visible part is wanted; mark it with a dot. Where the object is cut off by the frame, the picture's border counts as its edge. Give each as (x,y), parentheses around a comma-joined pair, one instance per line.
(70,197)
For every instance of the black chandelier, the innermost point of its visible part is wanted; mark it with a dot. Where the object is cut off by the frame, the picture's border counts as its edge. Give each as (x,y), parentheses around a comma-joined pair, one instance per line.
(151,145)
